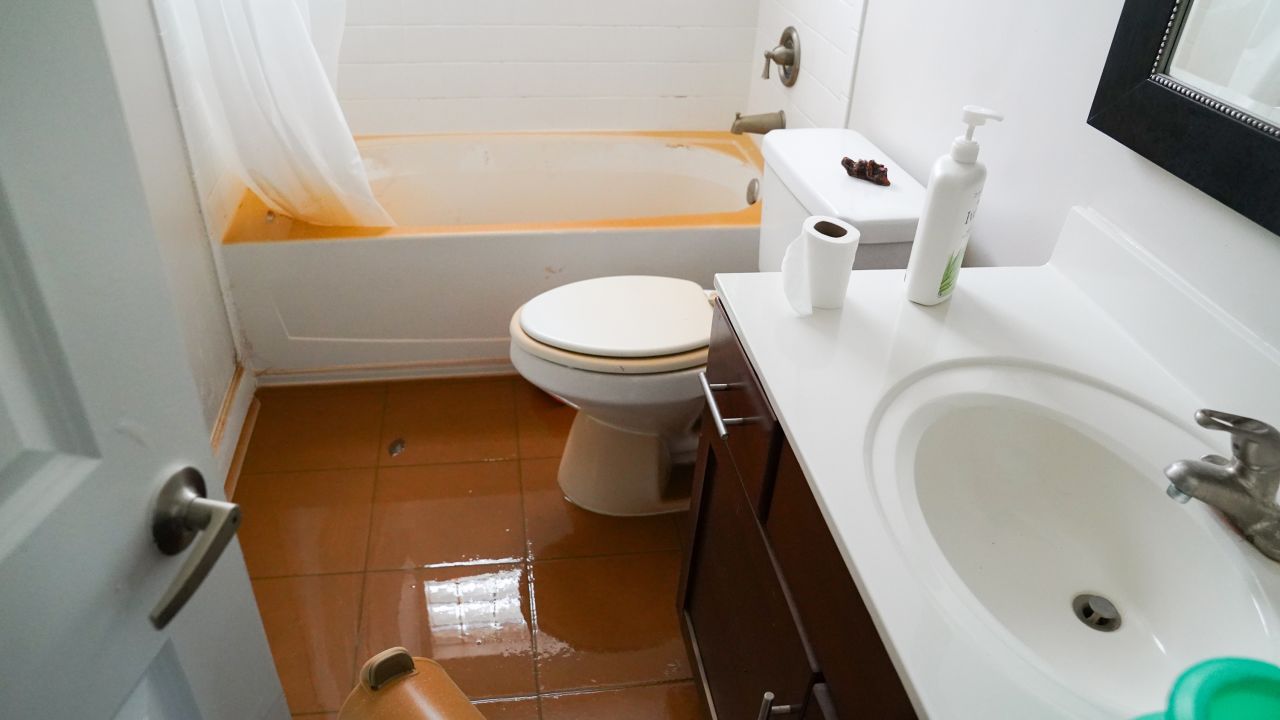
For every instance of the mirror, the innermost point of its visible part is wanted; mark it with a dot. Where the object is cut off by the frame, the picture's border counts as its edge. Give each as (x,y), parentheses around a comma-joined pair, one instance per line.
(1230,50)
(1194,86)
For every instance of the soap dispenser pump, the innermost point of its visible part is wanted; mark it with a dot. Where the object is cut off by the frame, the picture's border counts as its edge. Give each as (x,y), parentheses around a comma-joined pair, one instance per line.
(950,204)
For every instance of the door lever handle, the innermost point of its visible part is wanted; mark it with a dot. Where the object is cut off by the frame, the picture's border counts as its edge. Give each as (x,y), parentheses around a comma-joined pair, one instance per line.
(183,512)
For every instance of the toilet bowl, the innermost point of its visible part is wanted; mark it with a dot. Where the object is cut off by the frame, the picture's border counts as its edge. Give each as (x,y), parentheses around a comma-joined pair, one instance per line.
(626,352)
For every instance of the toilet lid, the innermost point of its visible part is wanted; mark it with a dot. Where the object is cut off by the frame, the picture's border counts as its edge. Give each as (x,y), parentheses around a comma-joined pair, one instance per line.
(625,317)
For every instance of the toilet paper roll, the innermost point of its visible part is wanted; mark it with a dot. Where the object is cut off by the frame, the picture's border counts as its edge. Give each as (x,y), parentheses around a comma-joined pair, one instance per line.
(816,266)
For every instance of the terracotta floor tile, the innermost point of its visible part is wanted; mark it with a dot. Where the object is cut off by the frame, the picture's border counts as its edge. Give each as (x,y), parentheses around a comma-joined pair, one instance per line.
(473,620)
(316,716)
(305,523)
(311,627)
(444,421)
(608,621)
(678,701)
(510,709)
(558,529)
(316,428)
(433,514)
(543,420)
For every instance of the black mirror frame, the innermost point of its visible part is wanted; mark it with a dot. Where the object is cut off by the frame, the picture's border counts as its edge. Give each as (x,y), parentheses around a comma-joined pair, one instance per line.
(1230,155)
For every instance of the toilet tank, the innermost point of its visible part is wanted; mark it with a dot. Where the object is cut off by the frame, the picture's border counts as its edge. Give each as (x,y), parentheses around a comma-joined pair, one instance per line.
(803,176)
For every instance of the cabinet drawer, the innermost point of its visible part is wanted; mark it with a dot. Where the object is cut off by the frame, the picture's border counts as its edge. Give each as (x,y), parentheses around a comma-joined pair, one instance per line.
(753,445)
(741,621)
(860,677)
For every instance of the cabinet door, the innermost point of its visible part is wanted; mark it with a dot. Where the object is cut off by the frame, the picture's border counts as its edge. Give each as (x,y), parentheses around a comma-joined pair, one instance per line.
(741,623)
(753,445)
(859,675)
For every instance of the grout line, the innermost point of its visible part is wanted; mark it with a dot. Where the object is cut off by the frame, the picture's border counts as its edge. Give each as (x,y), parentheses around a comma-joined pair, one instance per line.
(597,556)
(332,573)
(356,661)
(387,467)
(503,699)
(451,565)
(528,554)
(494,562)
(418,568)
(613,687)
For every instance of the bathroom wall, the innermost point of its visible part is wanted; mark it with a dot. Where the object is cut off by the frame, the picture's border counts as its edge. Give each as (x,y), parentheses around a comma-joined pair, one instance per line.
(175,206)
(512,65)
(829,34)
(921,60)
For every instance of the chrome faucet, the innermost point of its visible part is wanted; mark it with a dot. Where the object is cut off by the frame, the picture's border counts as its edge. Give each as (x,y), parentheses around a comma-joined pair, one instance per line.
(1242,488)
(761,124)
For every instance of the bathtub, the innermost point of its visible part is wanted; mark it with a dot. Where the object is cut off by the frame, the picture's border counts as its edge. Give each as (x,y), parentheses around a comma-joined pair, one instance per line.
(484,223)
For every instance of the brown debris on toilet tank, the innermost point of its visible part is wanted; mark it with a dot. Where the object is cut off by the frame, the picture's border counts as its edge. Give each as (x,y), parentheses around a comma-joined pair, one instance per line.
(868,170)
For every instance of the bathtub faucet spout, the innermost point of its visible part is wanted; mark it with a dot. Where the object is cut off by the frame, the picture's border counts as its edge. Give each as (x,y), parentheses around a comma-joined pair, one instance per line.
(761,123)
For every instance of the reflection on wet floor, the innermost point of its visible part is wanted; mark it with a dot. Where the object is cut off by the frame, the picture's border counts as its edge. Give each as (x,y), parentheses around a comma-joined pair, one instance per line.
(458,547)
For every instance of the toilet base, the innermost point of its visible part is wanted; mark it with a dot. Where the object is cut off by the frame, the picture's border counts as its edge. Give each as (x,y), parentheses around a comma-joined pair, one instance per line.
(618,472)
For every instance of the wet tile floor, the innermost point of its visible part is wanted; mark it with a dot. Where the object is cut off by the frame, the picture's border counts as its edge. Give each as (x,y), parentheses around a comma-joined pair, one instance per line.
(460,548)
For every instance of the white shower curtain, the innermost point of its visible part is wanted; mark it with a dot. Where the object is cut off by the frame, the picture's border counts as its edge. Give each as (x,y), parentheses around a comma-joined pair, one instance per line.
(280,112)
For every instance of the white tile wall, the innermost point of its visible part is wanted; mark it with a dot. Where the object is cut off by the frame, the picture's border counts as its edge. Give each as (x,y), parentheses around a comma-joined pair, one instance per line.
(829,35)
(495,65)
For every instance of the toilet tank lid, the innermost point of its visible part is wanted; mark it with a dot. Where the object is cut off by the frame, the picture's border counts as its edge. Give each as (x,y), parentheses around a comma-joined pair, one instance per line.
(808,162)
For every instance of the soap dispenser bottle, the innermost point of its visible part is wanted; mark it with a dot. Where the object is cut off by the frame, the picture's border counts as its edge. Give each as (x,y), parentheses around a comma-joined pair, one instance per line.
(950,203)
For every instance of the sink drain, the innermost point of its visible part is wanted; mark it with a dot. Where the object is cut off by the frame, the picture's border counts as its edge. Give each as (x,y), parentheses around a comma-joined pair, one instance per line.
(1097,612)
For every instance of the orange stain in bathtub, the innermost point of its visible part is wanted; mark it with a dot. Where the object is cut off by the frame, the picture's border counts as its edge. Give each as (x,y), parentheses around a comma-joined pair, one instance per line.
(250,224)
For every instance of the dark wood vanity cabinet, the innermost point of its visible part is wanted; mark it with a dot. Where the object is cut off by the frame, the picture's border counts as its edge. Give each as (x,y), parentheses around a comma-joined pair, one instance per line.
(767,601)
(735,602)
(855,666)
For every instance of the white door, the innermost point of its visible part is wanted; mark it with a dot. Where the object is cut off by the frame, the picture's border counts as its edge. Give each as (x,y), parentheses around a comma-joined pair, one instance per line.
(97,409)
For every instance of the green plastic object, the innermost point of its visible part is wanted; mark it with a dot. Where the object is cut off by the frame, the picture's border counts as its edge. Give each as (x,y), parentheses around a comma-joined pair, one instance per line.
(1225,689)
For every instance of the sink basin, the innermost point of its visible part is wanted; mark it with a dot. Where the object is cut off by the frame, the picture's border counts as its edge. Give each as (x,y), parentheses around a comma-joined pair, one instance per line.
(1032,502)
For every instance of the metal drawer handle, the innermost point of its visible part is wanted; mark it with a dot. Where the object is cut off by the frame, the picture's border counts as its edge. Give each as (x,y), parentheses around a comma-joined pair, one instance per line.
(182,513)
(707,389)
(768,709)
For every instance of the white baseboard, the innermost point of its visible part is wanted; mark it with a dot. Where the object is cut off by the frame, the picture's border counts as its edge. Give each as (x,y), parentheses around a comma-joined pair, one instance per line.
(230,424)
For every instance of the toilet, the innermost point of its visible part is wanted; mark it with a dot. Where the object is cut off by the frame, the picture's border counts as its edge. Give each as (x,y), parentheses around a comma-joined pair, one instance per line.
(626,351)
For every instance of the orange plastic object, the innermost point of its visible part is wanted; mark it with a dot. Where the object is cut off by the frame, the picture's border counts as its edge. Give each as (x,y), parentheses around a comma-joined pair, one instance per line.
(396,686)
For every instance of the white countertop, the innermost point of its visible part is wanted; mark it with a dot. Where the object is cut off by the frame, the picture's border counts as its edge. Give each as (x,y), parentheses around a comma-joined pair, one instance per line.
(825,375)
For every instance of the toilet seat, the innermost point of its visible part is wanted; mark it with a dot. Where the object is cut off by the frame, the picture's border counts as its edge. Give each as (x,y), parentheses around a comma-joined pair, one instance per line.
(602,364)
(628,316)
(625,325)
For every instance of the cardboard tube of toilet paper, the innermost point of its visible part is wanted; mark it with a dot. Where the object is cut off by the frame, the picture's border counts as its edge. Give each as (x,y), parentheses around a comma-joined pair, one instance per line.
(817,264)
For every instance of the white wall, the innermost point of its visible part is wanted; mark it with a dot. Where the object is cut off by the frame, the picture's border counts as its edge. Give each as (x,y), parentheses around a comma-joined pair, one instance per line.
(138,65)
(921,60)
(512,65)
(829,33)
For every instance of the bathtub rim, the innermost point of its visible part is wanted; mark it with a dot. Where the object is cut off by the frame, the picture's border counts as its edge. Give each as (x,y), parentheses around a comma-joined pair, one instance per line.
(246,224)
